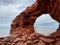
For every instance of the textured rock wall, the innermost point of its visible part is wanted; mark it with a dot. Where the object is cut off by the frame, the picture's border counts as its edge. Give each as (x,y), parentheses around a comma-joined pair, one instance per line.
(22,28)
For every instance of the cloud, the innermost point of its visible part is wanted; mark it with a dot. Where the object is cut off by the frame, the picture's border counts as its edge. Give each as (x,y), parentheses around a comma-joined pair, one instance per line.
(9,9)
(16,2)
(48,24)
(45,21)
(7,2)
(9,12)
(51,24)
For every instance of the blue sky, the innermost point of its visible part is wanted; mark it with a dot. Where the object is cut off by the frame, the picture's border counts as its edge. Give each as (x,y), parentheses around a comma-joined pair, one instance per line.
(9,9)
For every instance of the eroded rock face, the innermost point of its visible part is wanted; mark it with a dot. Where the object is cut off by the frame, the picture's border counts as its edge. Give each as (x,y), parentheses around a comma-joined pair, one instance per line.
(22,28)
(25,21)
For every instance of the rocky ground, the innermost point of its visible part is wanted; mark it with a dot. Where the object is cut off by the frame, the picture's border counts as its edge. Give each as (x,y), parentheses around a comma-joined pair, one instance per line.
(30,39)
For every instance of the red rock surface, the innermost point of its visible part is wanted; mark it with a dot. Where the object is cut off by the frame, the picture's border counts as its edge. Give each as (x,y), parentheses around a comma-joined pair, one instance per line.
(22,28)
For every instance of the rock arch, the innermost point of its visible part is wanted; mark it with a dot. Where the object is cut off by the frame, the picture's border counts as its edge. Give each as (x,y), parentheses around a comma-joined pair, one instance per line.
(24,22)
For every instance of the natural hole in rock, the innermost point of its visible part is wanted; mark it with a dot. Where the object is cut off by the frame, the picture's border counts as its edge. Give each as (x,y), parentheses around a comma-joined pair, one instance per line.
(45,25)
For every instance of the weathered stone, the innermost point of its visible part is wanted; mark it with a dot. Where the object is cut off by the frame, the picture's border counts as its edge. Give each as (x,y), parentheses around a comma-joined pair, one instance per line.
(24,22)
(22,28)
(58,43)
(47,39)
